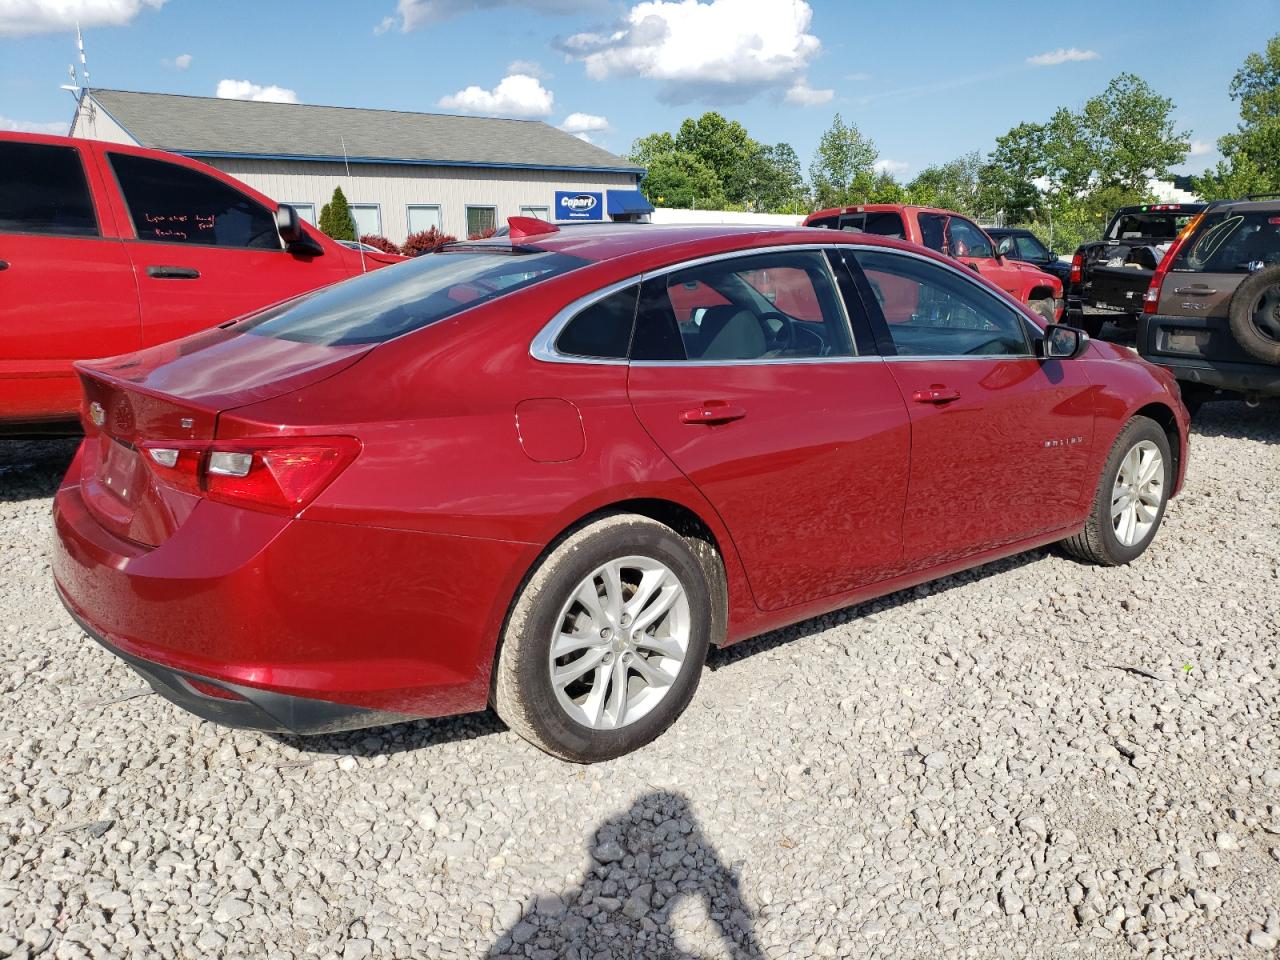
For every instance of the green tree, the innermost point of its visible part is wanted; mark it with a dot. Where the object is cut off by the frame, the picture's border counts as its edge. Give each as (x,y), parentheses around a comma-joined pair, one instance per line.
(681,180)
(843,169)
(335,217)
(963,184)
(1251,155)
(779,183)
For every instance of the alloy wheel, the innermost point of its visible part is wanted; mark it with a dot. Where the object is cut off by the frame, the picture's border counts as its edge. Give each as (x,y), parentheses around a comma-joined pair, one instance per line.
(621,641)
(1137,493)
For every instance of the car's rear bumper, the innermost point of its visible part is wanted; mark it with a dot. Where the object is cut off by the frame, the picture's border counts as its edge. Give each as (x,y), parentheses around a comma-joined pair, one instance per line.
(235,705)
(1220,364)
(314,625)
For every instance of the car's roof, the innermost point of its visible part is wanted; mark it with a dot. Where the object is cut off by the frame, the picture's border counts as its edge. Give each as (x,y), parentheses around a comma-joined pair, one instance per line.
(1161,208)
(1008,230)
(1250,205)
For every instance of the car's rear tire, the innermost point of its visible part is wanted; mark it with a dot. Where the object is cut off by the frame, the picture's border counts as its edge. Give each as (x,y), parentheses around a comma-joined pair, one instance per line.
(1046,307)
(621,672)
(1255,315)
(1131,497)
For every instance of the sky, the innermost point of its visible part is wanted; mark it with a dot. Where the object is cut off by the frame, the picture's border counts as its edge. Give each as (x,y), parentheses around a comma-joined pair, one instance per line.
(926,80)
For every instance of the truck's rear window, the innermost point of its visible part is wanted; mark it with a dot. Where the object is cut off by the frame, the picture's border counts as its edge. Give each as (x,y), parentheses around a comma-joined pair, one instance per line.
(1148,226)
(883,223)
(394,300)
(1231,242)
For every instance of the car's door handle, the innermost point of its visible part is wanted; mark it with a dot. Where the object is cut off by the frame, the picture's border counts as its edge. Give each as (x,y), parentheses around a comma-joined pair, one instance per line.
(936,393)
(173,273)
(1195,291)
(713,412)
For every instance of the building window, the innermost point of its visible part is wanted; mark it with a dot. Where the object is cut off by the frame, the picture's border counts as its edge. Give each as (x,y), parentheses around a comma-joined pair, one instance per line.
(480,219)
(424,216)
(542,213)
(368,219)
(306,211)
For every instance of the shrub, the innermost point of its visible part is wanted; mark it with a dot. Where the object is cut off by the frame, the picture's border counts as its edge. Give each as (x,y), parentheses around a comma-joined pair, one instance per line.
(335,217)
(424,241)
(382,243)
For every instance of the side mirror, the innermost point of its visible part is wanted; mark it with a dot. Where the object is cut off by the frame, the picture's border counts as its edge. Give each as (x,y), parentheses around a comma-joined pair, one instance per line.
(1061,342)
(1005,247)
(289,226)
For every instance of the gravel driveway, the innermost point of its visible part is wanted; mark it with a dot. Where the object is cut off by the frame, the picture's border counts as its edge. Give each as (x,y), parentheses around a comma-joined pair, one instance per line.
(1035,759)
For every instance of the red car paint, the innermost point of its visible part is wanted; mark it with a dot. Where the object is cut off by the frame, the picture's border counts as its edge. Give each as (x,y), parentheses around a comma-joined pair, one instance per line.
(67,297)
(390,589)
(1021,280)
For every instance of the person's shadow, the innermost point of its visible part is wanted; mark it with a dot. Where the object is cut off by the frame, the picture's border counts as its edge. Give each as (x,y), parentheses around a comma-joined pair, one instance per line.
(655,889)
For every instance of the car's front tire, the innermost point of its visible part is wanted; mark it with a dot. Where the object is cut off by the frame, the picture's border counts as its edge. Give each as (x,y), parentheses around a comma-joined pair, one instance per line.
(605,644)
(1131,497)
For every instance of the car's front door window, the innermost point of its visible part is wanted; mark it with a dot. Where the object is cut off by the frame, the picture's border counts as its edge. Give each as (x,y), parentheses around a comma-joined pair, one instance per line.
(964,239)
(772,306)
(930,310)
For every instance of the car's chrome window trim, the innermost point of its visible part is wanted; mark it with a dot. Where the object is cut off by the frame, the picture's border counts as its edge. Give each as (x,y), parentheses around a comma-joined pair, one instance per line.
(543,346)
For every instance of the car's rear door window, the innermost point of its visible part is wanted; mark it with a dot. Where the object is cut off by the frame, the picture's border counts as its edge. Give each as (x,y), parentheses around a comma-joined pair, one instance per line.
(43,190)
(1231,242)
(395,300)
(169,203)
(770,306)
(602,330)
(879,223)
(931,311)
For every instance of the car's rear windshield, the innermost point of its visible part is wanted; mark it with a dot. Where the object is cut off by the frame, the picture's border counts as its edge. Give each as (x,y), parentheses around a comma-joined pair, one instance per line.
(1148,226)
(1231,242)
(392,301)
(885,223)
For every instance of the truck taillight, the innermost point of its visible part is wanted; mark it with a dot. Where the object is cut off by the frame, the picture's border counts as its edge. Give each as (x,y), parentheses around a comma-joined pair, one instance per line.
(273,475)
(1077,268)
(1151,302)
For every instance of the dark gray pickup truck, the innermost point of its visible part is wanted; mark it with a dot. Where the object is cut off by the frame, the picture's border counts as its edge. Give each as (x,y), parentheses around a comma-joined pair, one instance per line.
(1110,277)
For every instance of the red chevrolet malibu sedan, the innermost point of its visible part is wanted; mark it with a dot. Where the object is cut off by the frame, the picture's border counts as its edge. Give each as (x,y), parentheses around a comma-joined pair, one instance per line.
(546,472)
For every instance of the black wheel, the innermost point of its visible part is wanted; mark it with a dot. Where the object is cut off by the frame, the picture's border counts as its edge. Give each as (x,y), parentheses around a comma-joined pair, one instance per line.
(605,644)
(1255,314)
(1046,307)
(1132,493)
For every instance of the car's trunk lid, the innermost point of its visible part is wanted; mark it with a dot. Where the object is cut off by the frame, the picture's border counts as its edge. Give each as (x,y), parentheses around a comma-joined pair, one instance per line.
(172,395)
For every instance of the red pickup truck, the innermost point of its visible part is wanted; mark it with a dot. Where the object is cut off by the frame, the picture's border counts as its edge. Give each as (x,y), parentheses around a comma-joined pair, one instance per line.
(953,235)
(106,249)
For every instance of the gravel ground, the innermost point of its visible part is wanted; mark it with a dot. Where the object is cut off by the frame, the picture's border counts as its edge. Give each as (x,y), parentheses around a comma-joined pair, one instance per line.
(1033,759)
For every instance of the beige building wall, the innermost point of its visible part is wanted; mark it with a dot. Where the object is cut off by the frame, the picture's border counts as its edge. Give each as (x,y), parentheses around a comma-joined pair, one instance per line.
(394,187)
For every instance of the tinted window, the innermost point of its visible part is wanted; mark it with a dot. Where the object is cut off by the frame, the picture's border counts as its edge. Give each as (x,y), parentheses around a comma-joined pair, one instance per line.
(884,223)
(171,204)
(394,300)
(933,231)
(43,190)
(966,240)
(1230,242)
(930,311)
(1148,226)
(828,223)
(767,306)
(603,329)
(1029,248)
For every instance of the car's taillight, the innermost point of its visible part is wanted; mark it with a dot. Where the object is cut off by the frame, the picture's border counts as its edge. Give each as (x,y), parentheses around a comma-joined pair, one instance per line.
(274,475)
(1077,267)
(1151,302)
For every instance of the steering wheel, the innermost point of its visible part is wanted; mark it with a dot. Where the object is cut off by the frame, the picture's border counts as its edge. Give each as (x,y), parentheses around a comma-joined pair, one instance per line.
(781,337)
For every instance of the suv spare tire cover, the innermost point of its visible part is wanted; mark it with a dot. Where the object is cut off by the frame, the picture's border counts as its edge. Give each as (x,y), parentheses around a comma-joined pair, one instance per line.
(1255,314)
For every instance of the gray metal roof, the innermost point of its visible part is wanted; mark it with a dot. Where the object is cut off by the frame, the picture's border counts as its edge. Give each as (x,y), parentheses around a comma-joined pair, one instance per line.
(209,126)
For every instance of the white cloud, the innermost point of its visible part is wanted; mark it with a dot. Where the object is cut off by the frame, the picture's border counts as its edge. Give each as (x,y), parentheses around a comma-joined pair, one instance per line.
(180,62)
(892,167)
(806,96)
(516,95)
(584,137)
(1200,148)
(245,90)
(20,18)
(1063,55)
(727,50)
(27,126)
(412,14)
(584,123)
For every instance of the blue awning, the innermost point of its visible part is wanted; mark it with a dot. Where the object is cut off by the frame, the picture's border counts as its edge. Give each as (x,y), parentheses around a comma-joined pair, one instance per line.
(627,201)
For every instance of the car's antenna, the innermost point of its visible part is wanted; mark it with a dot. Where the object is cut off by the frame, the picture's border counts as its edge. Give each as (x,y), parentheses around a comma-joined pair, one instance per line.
(351,184)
